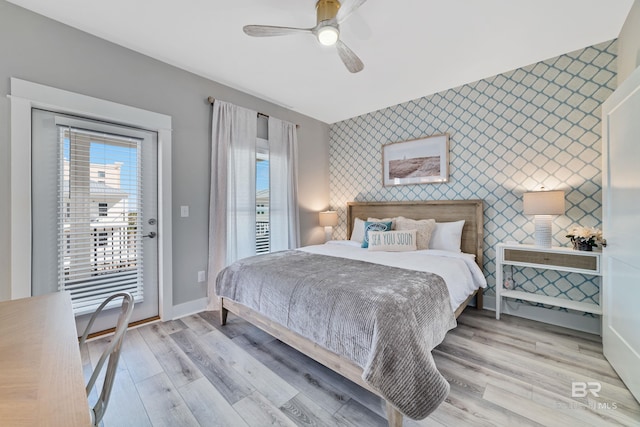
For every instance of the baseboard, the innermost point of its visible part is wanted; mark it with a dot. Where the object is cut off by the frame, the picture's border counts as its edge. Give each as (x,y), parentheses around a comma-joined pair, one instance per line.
(571,320)
(189,308)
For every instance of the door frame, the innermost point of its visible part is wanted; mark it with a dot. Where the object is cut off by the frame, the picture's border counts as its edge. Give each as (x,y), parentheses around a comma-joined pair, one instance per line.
(26,95)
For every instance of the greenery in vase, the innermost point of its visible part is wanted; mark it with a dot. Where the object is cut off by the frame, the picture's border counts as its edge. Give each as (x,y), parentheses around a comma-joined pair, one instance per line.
(588,235)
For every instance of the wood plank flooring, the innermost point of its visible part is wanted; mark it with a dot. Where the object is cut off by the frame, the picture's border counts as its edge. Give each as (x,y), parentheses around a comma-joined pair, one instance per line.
(513,372)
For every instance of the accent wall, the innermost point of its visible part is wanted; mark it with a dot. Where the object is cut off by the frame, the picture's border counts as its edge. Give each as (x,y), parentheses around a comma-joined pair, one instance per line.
(534,126)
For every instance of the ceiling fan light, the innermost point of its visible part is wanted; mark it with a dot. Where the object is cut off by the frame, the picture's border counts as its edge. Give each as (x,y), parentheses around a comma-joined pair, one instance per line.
(328,35)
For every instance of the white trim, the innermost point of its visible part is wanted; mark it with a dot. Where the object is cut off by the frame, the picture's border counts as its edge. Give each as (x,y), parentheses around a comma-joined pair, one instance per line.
(27,95)
(42,96)
(165,238)
(189,308)
(565,319)
(20,198)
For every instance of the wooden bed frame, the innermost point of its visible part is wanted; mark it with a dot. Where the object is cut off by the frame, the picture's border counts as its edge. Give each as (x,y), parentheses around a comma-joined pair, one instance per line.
(442,211)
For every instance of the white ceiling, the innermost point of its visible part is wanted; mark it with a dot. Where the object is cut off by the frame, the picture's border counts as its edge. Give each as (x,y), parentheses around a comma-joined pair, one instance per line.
(410,48)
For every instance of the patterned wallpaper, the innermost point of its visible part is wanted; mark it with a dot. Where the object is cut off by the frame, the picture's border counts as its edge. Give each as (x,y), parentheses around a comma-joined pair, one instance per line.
(535,126)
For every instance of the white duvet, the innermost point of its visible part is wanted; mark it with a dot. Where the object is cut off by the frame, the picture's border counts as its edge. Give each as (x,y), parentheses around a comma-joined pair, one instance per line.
(459,270)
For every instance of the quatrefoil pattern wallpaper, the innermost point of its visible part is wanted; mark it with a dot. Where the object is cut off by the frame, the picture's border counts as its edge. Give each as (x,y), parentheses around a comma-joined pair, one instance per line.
(535,126)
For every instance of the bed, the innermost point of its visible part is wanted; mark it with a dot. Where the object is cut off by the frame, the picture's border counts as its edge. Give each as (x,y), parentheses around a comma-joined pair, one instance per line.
(344,355)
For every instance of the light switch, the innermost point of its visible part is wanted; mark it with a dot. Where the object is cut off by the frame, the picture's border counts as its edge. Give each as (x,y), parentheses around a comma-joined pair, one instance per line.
(184,211)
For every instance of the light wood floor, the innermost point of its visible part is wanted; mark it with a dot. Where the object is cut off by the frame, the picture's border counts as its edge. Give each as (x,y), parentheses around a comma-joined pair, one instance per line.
(512,372)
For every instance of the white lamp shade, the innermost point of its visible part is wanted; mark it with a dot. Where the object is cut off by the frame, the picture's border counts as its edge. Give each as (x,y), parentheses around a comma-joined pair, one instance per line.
(328,218)
(544,203)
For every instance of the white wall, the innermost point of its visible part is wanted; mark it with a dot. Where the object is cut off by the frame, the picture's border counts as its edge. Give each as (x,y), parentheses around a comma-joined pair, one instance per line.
(629,44)
(44,51)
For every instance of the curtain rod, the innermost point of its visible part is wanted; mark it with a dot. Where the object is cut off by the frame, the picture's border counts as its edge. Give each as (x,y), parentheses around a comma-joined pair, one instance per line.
(211,100)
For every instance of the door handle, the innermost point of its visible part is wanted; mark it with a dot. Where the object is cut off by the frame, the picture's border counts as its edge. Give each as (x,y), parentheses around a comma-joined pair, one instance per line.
(151,234)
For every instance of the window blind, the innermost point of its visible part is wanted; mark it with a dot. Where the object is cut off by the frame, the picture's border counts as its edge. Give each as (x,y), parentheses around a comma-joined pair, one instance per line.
(99,216)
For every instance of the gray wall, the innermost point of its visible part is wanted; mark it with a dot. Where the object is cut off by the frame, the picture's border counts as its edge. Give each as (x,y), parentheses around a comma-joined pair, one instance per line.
(629,44)
(44,51)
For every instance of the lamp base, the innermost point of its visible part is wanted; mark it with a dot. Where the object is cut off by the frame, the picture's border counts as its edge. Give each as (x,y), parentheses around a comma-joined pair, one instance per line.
(543,230)
(328,233)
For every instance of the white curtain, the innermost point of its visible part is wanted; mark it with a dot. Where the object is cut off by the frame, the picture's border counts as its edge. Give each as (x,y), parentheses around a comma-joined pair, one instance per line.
(232,206)
(284,222)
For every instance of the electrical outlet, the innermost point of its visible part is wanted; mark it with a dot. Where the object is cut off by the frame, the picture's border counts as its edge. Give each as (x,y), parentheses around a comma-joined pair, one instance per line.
(201,276)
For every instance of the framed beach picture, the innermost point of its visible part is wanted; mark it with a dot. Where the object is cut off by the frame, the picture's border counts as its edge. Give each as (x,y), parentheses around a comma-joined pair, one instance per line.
(418,161)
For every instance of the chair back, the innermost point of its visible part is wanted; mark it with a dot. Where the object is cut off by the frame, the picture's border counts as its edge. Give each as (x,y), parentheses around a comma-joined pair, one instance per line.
(112,353)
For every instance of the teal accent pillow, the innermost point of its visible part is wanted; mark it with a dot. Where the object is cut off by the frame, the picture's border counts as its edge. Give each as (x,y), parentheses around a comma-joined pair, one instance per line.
(374,226)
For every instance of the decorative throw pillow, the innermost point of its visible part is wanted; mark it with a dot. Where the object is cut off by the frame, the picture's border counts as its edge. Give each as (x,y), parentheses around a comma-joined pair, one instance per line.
(392,241)
(357,233)
(374,226)
(447,236)
(424,229)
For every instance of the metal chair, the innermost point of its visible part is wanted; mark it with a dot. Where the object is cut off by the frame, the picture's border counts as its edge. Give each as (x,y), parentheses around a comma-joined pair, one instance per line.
(112,353)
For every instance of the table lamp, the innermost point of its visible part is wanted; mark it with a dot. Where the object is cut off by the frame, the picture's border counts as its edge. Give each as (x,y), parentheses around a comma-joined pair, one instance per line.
(543,204)
(328,220)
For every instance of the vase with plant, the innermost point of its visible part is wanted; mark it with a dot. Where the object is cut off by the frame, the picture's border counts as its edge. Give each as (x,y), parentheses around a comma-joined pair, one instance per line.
(585,238)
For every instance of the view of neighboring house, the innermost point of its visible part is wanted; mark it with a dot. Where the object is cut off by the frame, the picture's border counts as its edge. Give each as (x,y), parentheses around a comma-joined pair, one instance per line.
(104,221)
(262,221)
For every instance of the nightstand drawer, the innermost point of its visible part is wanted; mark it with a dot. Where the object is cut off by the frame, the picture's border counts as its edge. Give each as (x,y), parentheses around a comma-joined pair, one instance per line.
(580,262)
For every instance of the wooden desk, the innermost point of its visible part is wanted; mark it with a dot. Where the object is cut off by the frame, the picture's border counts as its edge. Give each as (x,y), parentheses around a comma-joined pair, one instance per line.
(41,380)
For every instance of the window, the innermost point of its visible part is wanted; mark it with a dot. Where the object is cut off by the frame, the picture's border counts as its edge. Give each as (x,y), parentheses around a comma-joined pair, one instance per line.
(262,196)
(99,216)
(101,174)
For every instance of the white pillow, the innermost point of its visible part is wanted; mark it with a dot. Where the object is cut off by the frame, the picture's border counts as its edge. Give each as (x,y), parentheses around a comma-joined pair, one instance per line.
(357,233)
(392,241)
(447,236)
(424,229)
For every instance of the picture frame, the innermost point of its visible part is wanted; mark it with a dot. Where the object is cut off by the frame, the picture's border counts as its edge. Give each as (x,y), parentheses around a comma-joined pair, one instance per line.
(417,161)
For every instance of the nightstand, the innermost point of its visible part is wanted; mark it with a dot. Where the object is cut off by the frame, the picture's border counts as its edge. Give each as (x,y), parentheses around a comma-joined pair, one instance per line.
(555,258)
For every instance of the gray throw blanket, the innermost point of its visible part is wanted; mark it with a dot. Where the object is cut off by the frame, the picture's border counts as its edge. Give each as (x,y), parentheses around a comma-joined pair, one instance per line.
(384,319)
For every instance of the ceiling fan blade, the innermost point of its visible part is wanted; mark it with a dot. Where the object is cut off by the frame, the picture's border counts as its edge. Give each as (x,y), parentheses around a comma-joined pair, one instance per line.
(350,59)
(270,31)
(347,8)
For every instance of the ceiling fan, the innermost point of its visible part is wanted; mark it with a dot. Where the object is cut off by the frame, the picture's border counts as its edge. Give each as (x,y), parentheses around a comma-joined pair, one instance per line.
(330,14)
